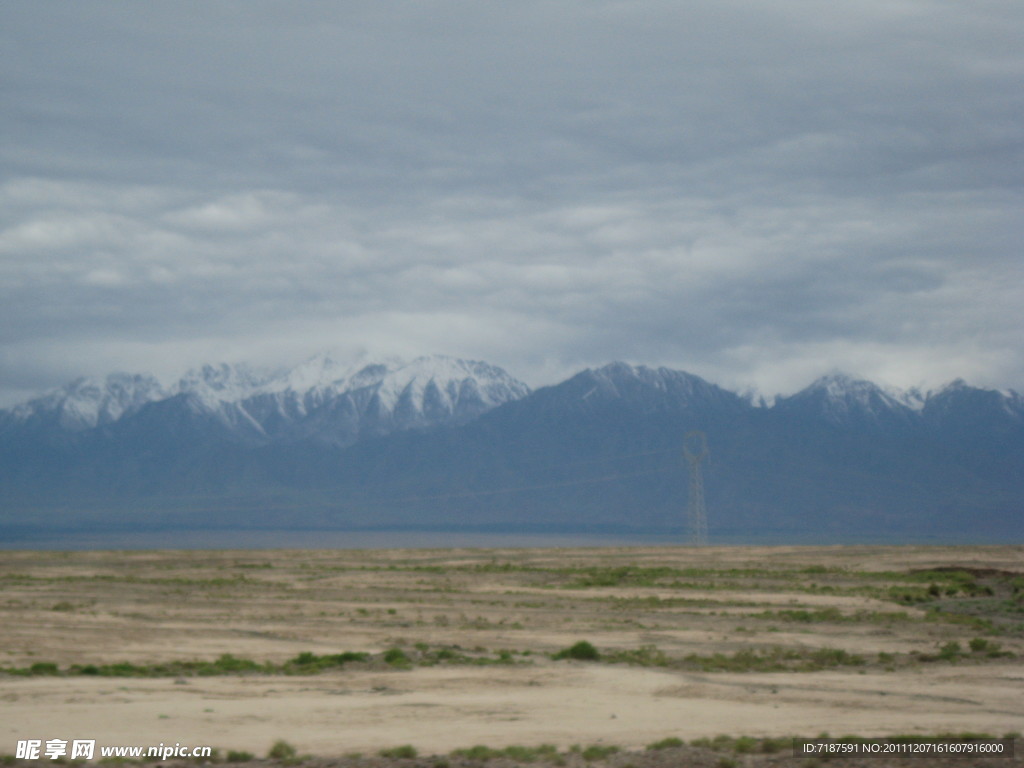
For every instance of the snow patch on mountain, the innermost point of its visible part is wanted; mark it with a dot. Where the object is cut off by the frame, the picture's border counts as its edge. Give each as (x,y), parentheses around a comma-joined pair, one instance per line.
(455,382)
(319,373)
(223,383)
(386,397)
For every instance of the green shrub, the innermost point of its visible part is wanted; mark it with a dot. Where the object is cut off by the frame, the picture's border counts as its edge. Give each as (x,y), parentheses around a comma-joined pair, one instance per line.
(44,668)
(581,651)
(951,651)
(235,756)
(281,750)
(745,744)
(396,657)
(981,645)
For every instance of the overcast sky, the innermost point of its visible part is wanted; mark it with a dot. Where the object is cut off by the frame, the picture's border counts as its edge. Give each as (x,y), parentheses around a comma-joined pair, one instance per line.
(759,192)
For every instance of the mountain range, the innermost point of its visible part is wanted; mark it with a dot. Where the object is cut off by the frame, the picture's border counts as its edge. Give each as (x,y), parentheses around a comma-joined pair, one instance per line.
(446,444)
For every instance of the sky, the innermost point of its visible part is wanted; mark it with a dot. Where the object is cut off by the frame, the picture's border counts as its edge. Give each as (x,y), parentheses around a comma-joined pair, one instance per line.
(756,191)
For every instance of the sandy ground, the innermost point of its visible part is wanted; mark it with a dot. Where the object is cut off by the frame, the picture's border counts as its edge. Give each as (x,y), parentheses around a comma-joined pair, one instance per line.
(100,608)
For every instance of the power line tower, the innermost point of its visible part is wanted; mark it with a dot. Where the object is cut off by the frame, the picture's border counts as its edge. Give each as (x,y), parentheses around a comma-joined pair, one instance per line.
(695,449)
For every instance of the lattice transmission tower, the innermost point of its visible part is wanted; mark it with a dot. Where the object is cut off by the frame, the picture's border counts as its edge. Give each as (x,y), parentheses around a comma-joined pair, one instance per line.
(695,449)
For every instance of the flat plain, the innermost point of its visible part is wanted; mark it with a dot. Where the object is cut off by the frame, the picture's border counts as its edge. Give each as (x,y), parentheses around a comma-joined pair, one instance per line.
(357,651)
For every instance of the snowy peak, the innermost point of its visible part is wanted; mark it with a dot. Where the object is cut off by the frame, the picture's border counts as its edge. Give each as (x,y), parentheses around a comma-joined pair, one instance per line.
(839,398)
(958,401)
(325,400)
(428,391)
(638,387)
(88,402)
(843,387)
(321,373)
(620,375)
(222,383)
(912,398)
(444,382)
(677,383)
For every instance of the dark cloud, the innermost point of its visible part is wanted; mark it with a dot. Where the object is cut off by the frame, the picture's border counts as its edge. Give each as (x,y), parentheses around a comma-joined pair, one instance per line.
(754,191)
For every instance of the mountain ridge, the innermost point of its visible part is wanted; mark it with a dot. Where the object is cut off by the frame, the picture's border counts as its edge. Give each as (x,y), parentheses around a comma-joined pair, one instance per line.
(450,444)
(86,402)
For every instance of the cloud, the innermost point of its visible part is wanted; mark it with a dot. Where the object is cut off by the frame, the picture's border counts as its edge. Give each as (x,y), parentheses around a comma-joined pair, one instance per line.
(757,192)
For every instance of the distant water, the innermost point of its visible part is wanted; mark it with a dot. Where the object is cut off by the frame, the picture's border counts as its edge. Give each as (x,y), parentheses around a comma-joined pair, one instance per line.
(325,540)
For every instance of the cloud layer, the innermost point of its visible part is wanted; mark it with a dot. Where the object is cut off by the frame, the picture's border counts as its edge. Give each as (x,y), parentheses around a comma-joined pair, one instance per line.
(756,192)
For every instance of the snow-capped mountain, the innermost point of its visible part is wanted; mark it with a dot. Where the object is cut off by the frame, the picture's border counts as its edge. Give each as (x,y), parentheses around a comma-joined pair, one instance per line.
(844,400)
(657,386)
(841,399)
(635,388)
(331,403)
(85,403)
(320,400)
(957,397)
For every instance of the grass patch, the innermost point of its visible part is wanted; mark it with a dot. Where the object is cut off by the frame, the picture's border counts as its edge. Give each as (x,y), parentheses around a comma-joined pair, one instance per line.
(745,745)
(396,657)
(545,752)
(832,615)
(595,751)
(305,663)
(670,743)
(775,659)
(406,750)
(223,665)
(309,663)
(644,656)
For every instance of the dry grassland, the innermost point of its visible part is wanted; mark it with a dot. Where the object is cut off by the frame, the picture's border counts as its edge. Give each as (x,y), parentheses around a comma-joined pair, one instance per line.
(341,652)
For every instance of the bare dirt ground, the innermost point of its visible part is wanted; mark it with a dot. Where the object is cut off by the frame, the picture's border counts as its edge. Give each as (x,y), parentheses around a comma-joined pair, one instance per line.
(691,644)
